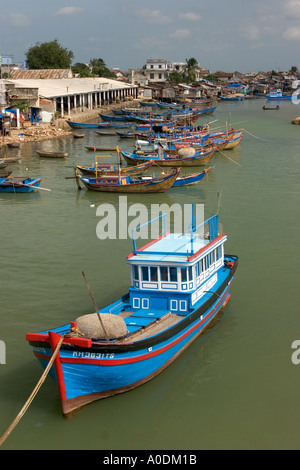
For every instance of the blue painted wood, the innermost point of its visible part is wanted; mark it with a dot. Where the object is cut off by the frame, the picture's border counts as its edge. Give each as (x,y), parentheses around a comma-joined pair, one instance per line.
(106,367)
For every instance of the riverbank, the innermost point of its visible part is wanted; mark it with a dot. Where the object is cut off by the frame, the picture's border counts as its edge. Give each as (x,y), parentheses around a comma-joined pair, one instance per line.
(60,128)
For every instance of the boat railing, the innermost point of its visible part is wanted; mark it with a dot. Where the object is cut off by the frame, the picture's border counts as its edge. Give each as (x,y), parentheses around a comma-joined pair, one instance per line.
(206,231)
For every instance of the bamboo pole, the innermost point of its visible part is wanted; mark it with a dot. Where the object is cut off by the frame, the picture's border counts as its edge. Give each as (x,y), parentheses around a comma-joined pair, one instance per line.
(33,394)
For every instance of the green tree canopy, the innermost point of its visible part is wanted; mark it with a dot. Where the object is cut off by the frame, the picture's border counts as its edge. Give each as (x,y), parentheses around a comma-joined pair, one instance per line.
(100,70)
(82,69)
(48,55)
(175,77)
(191,67)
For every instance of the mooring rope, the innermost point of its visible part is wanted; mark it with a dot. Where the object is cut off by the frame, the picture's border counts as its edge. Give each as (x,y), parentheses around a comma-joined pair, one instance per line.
(260,138)
(33,394)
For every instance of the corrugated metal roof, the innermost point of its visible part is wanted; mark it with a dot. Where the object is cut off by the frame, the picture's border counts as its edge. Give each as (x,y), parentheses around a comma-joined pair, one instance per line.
(41,73)
(69,86)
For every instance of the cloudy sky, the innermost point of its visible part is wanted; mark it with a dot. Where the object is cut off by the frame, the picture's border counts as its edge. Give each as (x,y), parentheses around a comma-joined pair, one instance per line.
(223,35)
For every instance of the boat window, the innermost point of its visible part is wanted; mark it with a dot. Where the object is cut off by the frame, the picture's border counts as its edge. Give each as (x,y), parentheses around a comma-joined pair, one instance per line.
(164,273)
(190,268)
(145,273)
(219,252)
(212,257)
(153,273)
(206,262)
(183,275)
(135,272)
(173,274)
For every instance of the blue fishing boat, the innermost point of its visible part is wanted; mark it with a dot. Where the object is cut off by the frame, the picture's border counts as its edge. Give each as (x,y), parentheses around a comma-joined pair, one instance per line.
(162,159)
(194,178)
(82,125)
(179,285)
(19,184)
(114,117)
(231,98)
(114,168)
(278,95)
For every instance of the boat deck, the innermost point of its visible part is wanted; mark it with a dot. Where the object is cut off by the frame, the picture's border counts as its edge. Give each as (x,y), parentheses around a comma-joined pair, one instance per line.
(144,324)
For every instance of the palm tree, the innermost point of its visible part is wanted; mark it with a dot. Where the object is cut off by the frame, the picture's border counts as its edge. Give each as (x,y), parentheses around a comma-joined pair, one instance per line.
(191,68)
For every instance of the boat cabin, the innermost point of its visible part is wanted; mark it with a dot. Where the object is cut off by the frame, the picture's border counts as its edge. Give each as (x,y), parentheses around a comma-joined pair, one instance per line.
(173,272)
(111,179)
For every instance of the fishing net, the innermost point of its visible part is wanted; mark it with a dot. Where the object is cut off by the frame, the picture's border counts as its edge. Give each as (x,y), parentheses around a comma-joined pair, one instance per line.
(92,327)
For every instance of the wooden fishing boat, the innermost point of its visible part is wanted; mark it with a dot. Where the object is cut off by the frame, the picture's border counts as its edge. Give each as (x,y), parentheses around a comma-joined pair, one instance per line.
(180,283)
(19,184)
(100,147)
(148,103)
(126,184)
(78,136)
(43,153)
(114,125)
(13,145)
(126,135)
(5,174)
(234,141)
(267,108)
(114,117)
(231,98)
(162,160)
(191,179)
(115,169)
(82,125)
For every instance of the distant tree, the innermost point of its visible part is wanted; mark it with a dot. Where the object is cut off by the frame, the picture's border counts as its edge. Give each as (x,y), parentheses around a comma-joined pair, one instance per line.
(99,69)
(293,70)
(190,70)
(48,55)
(82,69)
(175,77)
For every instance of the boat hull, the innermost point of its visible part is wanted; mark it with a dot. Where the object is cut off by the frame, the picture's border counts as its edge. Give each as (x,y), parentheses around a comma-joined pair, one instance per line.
(26,185)
(154,185)
(195,160)
(113,169)
(86,374)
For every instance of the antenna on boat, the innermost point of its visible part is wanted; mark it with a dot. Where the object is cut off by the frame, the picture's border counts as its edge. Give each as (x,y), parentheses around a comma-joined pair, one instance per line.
(95,306)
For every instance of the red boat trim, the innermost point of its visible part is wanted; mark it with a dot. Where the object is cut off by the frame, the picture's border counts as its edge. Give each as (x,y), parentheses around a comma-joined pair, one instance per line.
(81,342)
(207,247)
(149,244)
(54,339)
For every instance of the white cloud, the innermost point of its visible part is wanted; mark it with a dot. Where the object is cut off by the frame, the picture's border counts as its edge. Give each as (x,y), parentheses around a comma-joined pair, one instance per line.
(292,33)
(180,34)
(18,19)
(190,16)
(292,8)
(67,11)
(153,16)
(251,32)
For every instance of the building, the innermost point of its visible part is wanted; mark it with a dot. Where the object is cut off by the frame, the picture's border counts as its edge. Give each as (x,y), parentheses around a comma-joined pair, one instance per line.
(60,97)
(158,70)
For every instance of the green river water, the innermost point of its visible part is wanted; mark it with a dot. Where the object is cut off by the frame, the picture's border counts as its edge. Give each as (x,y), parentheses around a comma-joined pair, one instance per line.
(236,387)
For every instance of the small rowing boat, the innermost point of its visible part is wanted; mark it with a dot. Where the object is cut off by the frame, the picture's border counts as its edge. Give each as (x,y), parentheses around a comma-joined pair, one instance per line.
(43,153)
(19,184)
